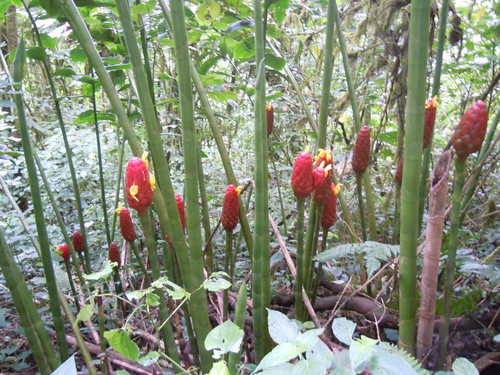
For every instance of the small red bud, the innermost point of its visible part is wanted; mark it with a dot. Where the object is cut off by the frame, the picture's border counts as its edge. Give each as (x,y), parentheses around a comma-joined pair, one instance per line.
(126,225)
(302,175)
(330,210)
(64,251)
(230,208)
(77,240)
(114,253)
(429,120)
(361,153)
(469,134)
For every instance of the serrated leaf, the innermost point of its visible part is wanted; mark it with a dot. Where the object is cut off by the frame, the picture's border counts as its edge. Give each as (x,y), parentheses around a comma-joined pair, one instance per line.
(281,329)
(224,338)
(343,329)
(462,366)
(361,351)
(120,342)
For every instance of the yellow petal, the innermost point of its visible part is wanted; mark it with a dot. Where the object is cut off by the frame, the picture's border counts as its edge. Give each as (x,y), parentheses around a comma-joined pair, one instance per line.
(336,189)
(134,189)
(152,181)
(144,158)
(119,208)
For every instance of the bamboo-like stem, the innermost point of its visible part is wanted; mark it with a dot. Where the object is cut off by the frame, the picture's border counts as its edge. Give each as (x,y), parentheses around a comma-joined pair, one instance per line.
(370,206)
(239,320)
(167,331)
(72,285)
(299,280)
(140,261)
(317,274)
(307,255)
(451,260)
(57,212)
(74,181)
(102,328)
(436,84)
(44,355)
(310,252)
(240,234)
(101,171)
(201,323)
(417,69)
(117,190)
(432,252)
(280,197)
(361,207)
(217,136)
(205,214)
(227,260)
(38,207)
(261,283)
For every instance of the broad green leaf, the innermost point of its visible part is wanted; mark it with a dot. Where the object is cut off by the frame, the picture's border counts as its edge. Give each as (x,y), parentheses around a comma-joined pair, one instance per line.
(343,329)
(224,338)
(85,314)
(217,281)
(361,352)
(219,368)
(207,13)
(67,368)
(48,41)
(78,55)
(320,354)
(282,353)
(64,72)
(152,299)
(222,96)
(103,273)
(341,364)
(120,342)
(307,340)
(244,50)
(462,366)
(150,358)
(281,329)
(37,53)
(384,363)
(274,61)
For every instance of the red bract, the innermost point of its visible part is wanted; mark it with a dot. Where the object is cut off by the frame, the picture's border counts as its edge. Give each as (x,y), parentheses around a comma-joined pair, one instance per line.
(64,251)
(126,224)
(322,183)
(429,120)
(77,240)
(361,153)
(114,253)
(330,210)
(469,134)
(230,208)
(270,118)
(180,208)
(302,175)
(139,184)
(398,177)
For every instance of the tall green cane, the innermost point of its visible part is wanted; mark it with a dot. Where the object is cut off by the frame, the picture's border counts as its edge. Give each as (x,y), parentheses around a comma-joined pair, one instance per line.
(55,308)
(417,69)
(451,260)
(299,278)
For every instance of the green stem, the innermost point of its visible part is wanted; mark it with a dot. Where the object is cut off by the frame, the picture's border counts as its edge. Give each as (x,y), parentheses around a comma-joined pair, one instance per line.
(436,83)
(417,69)
(370,206)
(312,251)
(101,171)
(280,197)
(140,261)
(205,214)
(55,309)
(299,279)
(240,234)
(117,190)
(74,181)
(261,288)
(451,260)
(361,207)
(239,320)
(167,331)
(307,255)
(317,277)
(102,328)
(72,286)
(227,259)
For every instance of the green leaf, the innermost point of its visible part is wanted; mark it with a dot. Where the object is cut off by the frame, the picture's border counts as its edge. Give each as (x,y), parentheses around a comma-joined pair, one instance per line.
(85,314)
(462,366)
(67,368)
(390,137)
(341,364)
(280,354)
(78,55)
(37,53)
(244,50)
(219,368)
(172,289)
(64,72)
(307,340)
(48,41)
(207,13)
(103,273)
(224,338)
(384,363)
(343,329)
(150,358)
(222,96)
(274,62)
(217,281)
(361,352)
(152,299)
(281,329)
(120,342)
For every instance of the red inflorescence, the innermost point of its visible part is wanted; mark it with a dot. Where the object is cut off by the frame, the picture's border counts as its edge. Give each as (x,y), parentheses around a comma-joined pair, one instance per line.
(114,253)
(180,208)
(330,210)
(323,158)
(398,177)
(322,183)
(77,240)
(230,208)
(469,134)
(270,118)
(139,184)
(429,120)
(126,224)
(361,153)
(302,175)
(64,251)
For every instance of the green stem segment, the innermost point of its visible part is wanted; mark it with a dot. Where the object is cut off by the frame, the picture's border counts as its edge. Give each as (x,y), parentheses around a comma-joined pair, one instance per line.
(299,279)
(227,260)
(239,320)
(417,70)
(451,260)
(361,206)
(55,308)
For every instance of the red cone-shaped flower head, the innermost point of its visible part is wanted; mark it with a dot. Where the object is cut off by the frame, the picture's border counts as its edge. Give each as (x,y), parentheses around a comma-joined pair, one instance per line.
(322,184)
(302,175)
(64,252)
(270,118)
(180,208)
(398,177)
(330,210)
(429,119)
(114,253)
(139,184)
(126,223)
(361,153)
(323,157)
(77,240)
(469,134)
(230,208)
